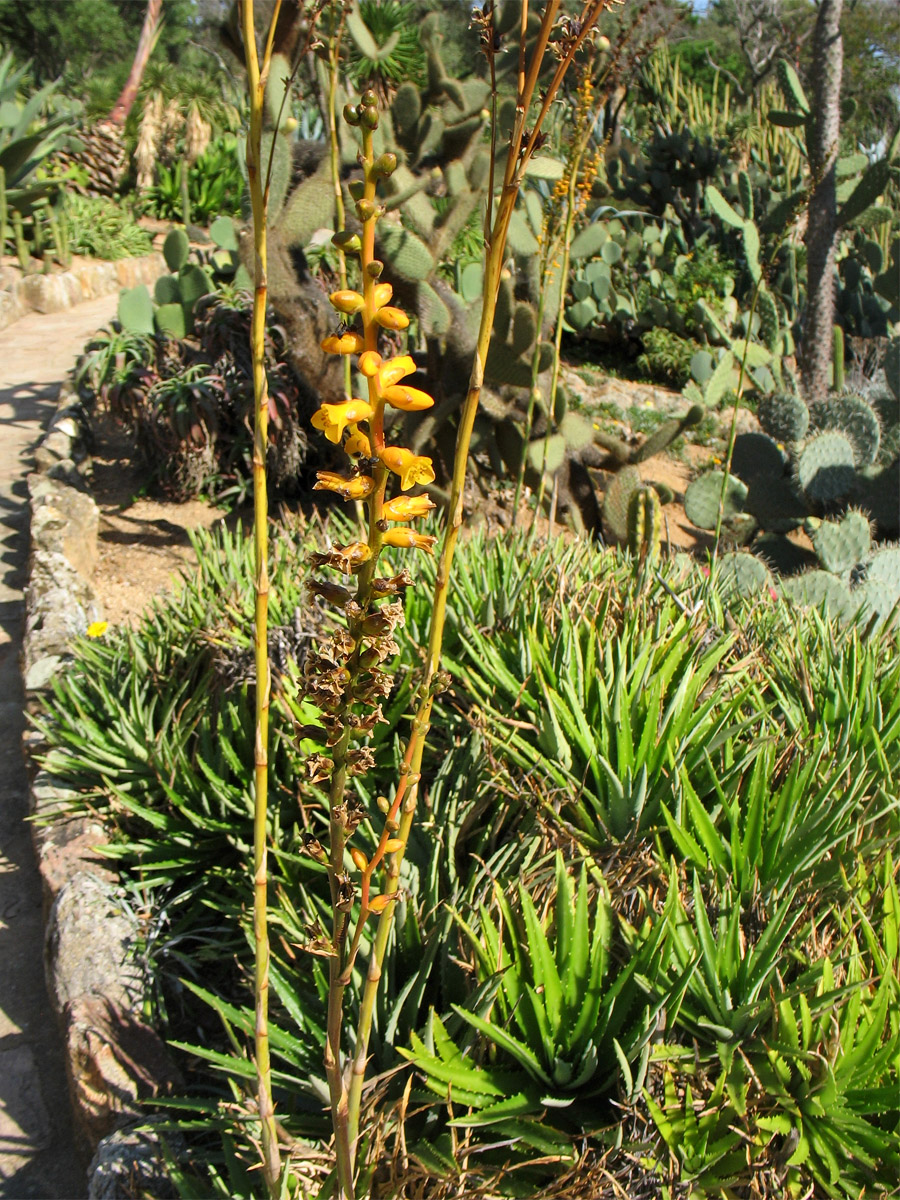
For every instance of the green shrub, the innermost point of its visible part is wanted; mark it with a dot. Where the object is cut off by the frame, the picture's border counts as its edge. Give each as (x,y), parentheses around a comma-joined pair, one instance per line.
(102,228)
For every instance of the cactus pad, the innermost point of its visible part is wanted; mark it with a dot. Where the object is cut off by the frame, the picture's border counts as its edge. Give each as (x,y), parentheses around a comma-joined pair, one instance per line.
(742,574)
(409,257)
(784,417)
(615,504)
(884,567)
(176,248)
(756,454)
(818,589)
(825,469)
(166,290)
(775,503)
(851,416)
(840,545)
(136,310)
(701,500)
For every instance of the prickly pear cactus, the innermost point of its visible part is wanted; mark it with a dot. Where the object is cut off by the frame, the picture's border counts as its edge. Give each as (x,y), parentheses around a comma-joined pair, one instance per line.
(852,417)
(840,545)
(826,468)
(784,417)
(742,574)
(702,498)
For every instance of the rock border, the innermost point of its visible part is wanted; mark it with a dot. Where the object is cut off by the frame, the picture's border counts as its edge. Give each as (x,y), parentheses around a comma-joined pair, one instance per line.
(65,289)
(115,1061)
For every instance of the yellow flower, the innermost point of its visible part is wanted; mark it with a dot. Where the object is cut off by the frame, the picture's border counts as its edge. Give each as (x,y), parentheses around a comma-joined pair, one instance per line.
(345,343)
(97,629)
(382,294)
(408,538)
(408,399)
(356,487)
(369,362)
(358,443)
(392,318)
(405,508)
(333,419)
(347,302)
(412,468)
(394,370)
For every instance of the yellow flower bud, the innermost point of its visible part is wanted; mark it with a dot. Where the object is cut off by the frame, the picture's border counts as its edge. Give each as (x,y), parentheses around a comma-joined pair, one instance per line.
(407,508)
(359,859)
(358,443)
(377,904)
(408,399)
(395,369)
(347,301)
(346,343)
(408,539)
(356,487)
(382,294)
(333,419)
(393,844)
(369,362)
(392,318)
(412,468)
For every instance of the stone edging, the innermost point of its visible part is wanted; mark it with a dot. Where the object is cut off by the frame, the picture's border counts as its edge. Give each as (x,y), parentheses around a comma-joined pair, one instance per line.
(96,985)
(57,292)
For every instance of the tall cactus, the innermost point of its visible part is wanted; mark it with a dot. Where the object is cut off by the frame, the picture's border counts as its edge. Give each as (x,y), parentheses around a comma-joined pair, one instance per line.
(822,142)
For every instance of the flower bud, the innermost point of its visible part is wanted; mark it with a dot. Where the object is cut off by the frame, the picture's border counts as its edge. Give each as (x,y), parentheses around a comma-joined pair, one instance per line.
(346,241)
(345,343)
(365,210)
(369,362)
(407,399)
(408,539)
(351,116)
(382,294)
(357,189)
(374,268)
(347,302)
(359,859)
(369,98)
(392,318)
(369,116)
(407,508)
(385,165)
(377,904)
(384,804)
(393,844)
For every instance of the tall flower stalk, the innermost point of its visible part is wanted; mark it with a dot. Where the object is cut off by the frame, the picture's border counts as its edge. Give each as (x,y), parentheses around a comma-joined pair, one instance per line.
(258,73)
(344,678)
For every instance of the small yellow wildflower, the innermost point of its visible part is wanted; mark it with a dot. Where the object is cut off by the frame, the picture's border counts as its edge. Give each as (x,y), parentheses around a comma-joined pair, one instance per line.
(96,629)
(333,419)
(394,370)
(412,468)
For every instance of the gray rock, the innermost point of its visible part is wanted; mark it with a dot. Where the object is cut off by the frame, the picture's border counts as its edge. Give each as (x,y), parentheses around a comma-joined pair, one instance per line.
(42,672)
(90,941)
(65,521)
(129,1164)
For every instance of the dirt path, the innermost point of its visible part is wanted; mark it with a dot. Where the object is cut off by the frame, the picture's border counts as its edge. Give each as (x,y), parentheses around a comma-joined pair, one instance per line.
(37,1153)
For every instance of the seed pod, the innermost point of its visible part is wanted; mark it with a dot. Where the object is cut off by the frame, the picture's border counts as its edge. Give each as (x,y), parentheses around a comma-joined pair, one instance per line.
(385,165)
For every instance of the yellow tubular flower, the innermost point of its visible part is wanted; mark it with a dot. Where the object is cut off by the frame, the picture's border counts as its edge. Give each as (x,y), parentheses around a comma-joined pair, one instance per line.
(357,487)
(356,553)
(408,399)
(395,369)
(406,508)
(347,302)
(333,419)
(358,443)
(369,362)
(392,318)
(346,343)
(409,539)
(412,468)
(382,294)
